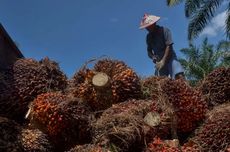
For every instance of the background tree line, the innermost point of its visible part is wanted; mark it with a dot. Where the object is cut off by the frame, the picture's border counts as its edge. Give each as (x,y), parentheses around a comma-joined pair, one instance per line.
(200,61)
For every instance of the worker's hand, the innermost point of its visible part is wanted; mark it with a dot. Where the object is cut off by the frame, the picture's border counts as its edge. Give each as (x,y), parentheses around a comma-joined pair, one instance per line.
(154,59)
(160,64)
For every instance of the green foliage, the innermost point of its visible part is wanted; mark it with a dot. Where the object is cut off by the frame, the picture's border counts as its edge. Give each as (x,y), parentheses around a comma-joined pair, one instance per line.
(191,6)
(224,48)
(199,62)
(200,13)
(227,22)
(173,2)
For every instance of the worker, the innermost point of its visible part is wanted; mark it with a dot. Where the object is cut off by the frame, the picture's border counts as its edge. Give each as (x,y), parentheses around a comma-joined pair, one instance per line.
(160,48)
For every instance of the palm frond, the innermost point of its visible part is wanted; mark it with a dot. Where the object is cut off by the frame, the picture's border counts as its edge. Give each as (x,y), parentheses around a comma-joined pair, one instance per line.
(223,53)
(188,52)
(196,71)
(199,62)
(223,46)
(191,7)
(202,17)
(173,2)
(191,53)
(207,61)
(228,22)
(185,65)
(183,62)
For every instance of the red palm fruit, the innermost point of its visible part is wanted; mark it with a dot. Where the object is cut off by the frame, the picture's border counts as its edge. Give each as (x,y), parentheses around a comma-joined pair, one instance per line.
(64,118)
(57,80)
(123,83)
(150,87)
(214,133)
(34,140)
(216,86)
(188,104)
(191,147)
(84,74)
(25,80)
(157,145)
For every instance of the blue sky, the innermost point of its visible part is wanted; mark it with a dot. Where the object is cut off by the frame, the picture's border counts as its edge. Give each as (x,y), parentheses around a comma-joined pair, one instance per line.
(75,31)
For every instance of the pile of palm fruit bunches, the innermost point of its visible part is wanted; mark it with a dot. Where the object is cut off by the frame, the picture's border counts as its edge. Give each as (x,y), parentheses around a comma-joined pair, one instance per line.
(109,108)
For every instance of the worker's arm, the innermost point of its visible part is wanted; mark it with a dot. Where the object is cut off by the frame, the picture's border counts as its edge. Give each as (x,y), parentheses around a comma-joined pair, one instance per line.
(167,53)
(168,49)
(151,54)
(165,58)
(150,50)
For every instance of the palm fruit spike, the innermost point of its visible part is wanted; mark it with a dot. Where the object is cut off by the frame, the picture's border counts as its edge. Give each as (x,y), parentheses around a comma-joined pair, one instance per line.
(214,134)
(121,83)
(150,87)
(191,147)
(85,89)
(84,74)
(167,127)
(64,118)
(187,102)
(216,86)
(88,148)
(34,140)
(8,94)
(123,126)
(126,85)
(29,78)
(57,79)
(109,66)
(9,136)
(123,79)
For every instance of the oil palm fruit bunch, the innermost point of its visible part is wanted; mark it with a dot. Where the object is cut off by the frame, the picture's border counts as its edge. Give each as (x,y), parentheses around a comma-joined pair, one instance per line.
(214,133)
(191,147)
(123,126)
(82,87)
(64,118)
(188,104)
(34,140)
(8,94)
(216,86)
(28,79)
(162,118)
(125,83)
(108,82)
(57,80)
(158,145)
(9,136)
(84,74)
(150,87)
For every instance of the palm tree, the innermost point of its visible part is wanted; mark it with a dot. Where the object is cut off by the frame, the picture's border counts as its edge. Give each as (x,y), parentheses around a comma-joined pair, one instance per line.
(224,48)
(200,13)
(199,62)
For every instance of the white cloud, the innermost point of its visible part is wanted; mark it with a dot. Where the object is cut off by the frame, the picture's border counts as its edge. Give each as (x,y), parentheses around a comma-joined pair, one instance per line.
(211,31)
(217,24)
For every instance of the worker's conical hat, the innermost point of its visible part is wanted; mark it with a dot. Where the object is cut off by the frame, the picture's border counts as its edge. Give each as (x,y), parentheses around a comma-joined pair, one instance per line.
(148,20)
